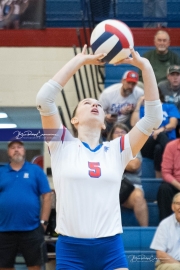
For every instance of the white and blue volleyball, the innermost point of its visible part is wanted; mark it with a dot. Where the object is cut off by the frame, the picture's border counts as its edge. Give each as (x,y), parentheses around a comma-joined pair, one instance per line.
(114,38)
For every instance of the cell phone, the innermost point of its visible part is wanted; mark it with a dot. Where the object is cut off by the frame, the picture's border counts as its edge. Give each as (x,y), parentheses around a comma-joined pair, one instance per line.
(114,115)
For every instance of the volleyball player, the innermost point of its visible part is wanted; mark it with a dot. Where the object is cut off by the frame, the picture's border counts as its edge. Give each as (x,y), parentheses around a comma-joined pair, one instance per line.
(87,174)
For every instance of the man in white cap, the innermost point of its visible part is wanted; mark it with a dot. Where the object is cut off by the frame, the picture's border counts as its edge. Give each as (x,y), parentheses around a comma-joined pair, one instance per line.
(119,100)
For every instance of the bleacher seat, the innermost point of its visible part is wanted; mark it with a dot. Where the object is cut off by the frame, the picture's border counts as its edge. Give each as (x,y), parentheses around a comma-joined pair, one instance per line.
(135,238)
(148,170)
(128,217)
(150,187)
(137,242)
(173,13)
(63,13)
(68,13)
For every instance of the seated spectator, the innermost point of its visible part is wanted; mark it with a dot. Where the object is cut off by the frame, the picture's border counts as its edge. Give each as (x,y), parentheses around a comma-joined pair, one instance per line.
(166,239)
(134,197)
(161,57)
(155,145)
(120,99)
(170,88)
(171,178)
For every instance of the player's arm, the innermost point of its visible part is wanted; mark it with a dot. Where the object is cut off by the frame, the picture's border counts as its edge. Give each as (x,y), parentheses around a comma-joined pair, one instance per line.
(46,96)
(133,165)
(153,108)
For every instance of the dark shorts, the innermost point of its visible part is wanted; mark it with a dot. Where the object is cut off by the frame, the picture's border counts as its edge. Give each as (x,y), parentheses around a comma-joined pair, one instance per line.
(30,244)
(105,253)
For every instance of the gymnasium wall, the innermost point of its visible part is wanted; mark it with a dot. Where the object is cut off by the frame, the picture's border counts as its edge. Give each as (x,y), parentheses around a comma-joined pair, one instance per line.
(24,70)
(30,58)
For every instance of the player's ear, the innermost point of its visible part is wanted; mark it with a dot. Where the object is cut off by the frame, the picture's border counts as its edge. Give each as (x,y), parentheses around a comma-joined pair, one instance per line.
(74,120)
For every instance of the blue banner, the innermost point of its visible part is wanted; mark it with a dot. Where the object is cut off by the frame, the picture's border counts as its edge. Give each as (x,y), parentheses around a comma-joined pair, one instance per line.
(30,135)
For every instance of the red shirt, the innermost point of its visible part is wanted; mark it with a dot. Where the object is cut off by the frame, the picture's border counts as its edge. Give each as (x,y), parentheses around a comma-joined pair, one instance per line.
(171,162)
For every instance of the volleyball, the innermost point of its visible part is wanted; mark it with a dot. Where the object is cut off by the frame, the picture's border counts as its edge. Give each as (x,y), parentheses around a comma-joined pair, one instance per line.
(114,38)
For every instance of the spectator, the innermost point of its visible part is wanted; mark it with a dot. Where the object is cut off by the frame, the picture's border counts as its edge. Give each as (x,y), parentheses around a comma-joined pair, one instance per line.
(133,196)
(166,239)
(22,218)
(171,178)
(119,100)
(155,145)
(170,88)
(161,57)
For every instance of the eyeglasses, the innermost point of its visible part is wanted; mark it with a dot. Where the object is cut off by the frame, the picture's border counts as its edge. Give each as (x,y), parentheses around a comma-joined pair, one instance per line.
(178,203)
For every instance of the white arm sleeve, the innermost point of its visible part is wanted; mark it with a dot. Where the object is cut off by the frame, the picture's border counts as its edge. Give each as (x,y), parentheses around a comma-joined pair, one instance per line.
(153,117)
(46,97)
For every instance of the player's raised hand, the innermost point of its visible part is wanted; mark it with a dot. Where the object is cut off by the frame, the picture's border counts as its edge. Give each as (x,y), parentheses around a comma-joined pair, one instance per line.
(136,60)
(91,59)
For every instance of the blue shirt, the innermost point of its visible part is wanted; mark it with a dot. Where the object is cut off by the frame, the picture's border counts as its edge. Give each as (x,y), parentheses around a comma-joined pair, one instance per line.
(169,110)
(20,193)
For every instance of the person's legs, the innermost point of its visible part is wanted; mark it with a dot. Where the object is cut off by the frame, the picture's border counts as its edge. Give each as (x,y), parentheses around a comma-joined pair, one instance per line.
(167,266)
(165,195)
(33,248)
(158,152)
(154,149)
(8,250)
(148,148)
(137,202)
(162,140)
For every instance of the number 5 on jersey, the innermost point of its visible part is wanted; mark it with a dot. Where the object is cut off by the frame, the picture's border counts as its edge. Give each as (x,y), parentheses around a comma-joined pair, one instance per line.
(95,170)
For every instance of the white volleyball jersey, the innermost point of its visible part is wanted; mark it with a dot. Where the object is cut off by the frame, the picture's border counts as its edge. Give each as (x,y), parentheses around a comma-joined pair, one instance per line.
(87,184)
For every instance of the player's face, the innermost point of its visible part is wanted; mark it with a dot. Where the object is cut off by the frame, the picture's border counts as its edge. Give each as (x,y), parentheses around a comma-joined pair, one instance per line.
(127,88)
(174,79)
(118,132)
(90,109)
(16,153)
(176,208)
(162,42)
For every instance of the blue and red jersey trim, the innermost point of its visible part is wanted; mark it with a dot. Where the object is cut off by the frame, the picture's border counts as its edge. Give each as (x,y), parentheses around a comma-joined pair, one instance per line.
(122,143)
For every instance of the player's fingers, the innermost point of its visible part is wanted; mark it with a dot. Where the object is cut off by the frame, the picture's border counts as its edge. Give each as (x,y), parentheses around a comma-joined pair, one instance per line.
(84,49)
(100,56)
(134,53)
(124,61)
